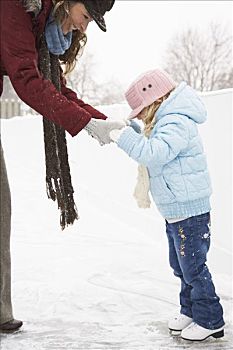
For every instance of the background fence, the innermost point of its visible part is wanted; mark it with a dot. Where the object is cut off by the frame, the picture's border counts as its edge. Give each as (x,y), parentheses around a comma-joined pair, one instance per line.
(10,108)
(14,107)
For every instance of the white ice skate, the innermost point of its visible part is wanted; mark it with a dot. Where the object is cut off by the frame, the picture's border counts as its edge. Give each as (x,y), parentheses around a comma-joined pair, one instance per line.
(197,333)
(179,322)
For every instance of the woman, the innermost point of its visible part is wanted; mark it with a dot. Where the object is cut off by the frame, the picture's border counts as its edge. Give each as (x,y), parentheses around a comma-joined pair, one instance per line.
(23,25)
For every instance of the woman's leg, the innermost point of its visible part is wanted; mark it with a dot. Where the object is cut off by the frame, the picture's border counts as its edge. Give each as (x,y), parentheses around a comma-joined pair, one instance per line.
(5,259)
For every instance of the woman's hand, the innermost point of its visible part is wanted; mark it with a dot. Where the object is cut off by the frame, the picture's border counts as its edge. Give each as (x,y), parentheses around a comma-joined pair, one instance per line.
(100,129)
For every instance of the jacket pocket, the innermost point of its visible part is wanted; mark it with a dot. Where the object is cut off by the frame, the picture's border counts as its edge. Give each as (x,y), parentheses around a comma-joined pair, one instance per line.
(160,191)
(168,189)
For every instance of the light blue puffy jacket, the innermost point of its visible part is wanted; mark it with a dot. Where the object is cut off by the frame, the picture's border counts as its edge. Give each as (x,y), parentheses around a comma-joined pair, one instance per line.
(174,156)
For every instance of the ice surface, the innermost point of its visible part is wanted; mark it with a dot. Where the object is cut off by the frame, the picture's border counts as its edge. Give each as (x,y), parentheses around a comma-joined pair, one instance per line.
(105,283)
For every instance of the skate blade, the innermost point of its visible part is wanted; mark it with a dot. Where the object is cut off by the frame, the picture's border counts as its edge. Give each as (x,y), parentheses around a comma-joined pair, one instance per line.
(14,331)
(174,333)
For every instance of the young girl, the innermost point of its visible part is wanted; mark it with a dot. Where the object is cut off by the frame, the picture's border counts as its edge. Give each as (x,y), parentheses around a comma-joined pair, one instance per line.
(173,167)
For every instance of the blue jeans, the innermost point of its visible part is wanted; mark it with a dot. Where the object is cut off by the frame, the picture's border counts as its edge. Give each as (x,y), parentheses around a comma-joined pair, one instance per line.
(189,242)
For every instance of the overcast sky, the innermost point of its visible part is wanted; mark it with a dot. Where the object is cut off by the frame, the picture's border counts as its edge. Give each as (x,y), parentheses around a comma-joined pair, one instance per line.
(139,31)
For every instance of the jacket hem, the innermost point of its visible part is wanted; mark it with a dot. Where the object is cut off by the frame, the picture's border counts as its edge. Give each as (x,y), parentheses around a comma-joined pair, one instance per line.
(185,209)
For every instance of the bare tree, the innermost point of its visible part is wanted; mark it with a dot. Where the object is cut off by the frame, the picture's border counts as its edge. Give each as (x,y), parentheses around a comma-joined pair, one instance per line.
(83,81)
(203,60)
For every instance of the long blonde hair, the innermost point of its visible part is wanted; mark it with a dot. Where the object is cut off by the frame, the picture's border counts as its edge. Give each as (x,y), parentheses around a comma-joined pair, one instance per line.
(69,58)
(150,114)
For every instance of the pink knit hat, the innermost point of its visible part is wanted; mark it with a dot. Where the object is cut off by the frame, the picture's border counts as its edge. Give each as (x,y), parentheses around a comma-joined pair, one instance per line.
(147,88)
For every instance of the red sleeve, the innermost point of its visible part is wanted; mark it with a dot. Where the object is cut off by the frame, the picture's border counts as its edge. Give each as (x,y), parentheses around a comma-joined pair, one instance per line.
(1,84)
(71,95)
(20,59)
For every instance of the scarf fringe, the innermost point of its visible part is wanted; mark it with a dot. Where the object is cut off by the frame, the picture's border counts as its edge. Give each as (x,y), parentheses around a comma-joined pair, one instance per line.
(68,209)
(51,191)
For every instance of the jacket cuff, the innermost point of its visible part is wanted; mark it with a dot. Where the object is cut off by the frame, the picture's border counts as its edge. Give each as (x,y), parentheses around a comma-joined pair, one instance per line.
(128,139)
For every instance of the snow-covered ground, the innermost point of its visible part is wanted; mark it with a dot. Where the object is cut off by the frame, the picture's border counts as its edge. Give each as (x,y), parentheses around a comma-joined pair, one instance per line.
(105,282)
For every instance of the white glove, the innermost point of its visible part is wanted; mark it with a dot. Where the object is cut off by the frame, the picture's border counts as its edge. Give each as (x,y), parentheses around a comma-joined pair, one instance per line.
(100,129)
(115,134)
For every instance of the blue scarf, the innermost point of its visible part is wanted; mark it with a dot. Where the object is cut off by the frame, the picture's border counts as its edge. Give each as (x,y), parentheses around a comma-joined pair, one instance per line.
(56,41)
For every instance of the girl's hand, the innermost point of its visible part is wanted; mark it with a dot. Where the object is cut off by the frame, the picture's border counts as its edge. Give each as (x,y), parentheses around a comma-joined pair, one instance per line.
(135,126)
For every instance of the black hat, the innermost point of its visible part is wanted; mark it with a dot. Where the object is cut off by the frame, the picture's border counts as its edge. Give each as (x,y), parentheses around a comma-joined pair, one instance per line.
(97,9)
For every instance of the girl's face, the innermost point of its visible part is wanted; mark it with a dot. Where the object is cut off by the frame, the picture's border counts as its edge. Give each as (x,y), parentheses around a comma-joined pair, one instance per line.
(142,114)
(78,18)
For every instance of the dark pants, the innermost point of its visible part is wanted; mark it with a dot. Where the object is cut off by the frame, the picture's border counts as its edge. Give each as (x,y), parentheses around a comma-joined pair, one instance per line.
(189,242)
(5,257)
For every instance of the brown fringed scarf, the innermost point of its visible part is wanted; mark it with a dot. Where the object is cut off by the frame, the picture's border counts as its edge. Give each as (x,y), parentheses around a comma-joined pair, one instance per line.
(58,178)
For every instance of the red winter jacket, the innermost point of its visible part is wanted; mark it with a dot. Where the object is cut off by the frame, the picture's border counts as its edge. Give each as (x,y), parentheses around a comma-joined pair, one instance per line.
(20,34)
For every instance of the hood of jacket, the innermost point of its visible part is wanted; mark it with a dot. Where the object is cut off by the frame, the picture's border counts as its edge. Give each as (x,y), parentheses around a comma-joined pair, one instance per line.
(184,100)
(32,6)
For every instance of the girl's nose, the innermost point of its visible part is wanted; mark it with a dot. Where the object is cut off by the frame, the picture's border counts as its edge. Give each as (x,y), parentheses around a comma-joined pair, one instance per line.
(84,27)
